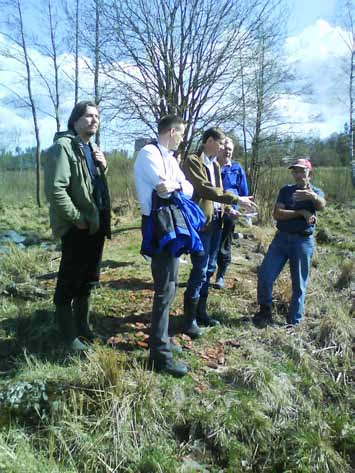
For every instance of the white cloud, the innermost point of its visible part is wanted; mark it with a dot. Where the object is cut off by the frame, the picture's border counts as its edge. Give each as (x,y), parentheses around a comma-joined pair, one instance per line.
(318,42)
(16,116)
(319,53)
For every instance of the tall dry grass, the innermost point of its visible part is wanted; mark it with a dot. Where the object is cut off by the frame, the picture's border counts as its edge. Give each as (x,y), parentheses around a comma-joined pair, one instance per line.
(280,402)
(18,187)
(120,180)
(334,181)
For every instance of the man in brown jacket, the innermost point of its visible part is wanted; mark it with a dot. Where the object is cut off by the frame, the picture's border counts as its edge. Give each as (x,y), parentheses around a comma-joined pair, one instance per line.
(203,172)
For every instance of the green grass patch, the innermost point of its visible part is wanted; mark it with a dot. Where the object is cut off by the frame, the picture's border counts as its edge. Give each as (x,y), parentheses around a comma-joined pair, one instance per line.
(270,400)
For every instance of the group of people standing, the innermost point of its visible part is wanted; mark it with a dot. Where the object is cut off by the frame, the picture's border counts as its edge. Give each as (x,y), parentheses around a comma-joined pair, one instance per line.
(190,208)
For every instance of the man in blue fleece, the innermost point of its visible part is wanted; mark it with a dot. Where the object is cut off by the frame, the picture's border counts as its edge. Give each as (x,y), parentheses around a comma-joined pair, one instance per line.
(234,180)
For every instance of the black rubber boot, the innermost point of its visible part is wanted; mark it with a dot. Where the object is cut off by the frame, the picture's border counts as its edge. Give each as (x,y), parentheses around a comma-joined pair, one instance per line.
(190,325)
(66,323)
(81,309)
(202,316)
(263,317)
(170,366)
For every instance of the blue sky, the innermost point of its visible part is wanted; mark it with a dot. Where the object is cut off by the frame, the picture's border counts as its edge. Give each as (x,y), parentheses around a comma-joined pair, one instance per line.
(314,42)
(305,12)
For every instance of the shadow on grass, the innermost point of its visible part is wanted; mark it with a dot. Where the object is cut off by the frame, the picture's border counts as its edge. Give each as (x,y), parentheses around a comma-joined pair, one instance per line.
(117,231)
(36,334)
(233,322)
(130,284)
(112,264)
(126,333)
(107,264)
(246,321)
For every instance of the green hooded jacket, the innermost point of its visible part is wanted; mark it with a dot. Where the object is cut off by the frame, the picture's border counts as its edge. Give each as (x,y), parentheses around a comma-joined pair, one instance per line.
(68,185)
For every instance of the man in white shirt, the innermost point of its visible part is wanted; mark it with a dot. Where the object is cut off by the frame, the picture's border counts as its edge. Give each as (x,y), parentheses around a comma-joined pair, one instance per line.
(157,169)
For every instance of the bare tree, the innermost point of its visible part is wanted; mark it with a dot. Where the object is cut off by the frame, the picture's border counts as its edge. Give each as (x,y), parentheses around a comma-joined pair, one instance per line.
(97,53)
(265,77)
(50,48)
(92,42)
(243,111)
(72,21)
(19,52)
(352,101)
(347,20)
(76,81)
(176,56)
(54,56)
(97,61)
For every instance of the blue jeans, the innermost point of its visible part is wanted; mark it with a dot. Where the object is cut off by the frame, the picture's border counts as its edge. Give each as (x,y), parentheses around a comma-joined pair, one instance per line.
(298,250)
(204,266)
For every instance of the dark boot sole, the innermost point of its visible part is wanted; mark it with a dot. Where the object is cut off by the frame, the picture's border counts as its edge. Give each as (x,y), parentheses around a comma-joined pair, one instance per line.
(208,323)
(176,372)
(262,323)
(192,335)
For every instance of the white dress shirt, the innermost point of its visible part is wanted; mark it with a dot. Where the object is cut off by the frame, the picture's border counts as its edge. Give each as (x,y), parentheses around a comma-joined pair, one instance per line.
(153,166)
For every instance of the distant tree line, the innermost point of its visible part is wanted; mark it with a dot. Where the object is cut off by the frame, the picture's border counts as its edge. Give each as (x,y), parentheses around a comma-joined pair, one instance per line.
(274,151)
(24,160)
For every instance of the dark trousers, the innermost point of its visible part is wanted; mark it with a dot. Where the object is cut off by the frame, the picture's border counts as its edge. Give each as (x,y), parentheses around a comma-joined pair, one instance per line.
(204,265)
(224,257)
(165,274)
(79,268)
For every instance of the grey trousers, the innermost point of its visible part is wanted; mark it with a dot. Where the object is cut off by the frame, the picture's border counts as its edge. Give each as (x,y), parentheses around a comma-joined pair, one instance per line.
(165,273)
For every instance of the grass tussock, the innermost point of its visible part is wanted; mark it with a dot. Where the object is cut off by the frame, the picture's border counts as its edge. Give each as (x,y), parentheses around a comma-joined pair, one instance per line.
(336,329)
(20,266)
(347,274)
(23,216)
(335,182)
(261,401)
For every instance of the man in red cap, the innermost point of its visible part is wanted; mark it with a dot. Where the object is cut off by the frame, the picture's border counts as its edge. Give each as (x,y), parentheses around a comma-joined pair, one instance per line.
(295,215)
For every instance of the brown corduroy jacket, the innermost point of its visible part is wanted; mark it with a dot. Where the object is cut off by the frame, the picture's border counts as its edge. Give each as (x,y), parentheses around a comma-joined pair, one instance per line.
(205,193)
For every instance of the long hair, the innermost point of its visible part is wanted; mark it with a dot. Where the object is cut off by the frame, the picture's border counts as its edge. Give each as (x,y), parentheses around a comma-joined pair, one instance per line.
(77,112)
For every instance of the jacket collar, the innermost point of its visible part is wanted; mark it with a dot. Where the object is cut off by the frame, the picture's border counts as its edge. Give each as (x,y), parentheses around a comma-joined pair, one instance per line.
(203,157)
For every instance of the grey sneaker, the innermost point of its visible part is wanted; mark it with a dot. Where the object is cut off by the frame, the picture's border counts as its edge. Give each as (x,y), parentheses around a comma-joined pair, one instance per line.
(219,284)
(77,345)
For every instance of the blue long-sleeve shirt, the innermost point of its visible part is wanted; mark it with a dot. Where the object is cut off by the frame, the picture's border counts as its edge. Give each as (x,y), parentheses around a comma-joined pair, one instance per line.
(297,225)
(234,179)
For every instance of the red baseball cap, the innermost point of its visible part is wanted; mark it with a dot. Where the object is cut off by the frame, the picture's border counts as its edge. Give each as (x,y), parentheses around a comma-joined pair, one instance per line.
(301,163)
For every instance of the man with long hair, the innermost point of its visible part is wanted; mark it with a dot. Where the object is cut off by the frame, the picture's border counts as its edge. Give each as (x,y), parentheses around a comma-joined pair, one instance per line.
(77,192)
